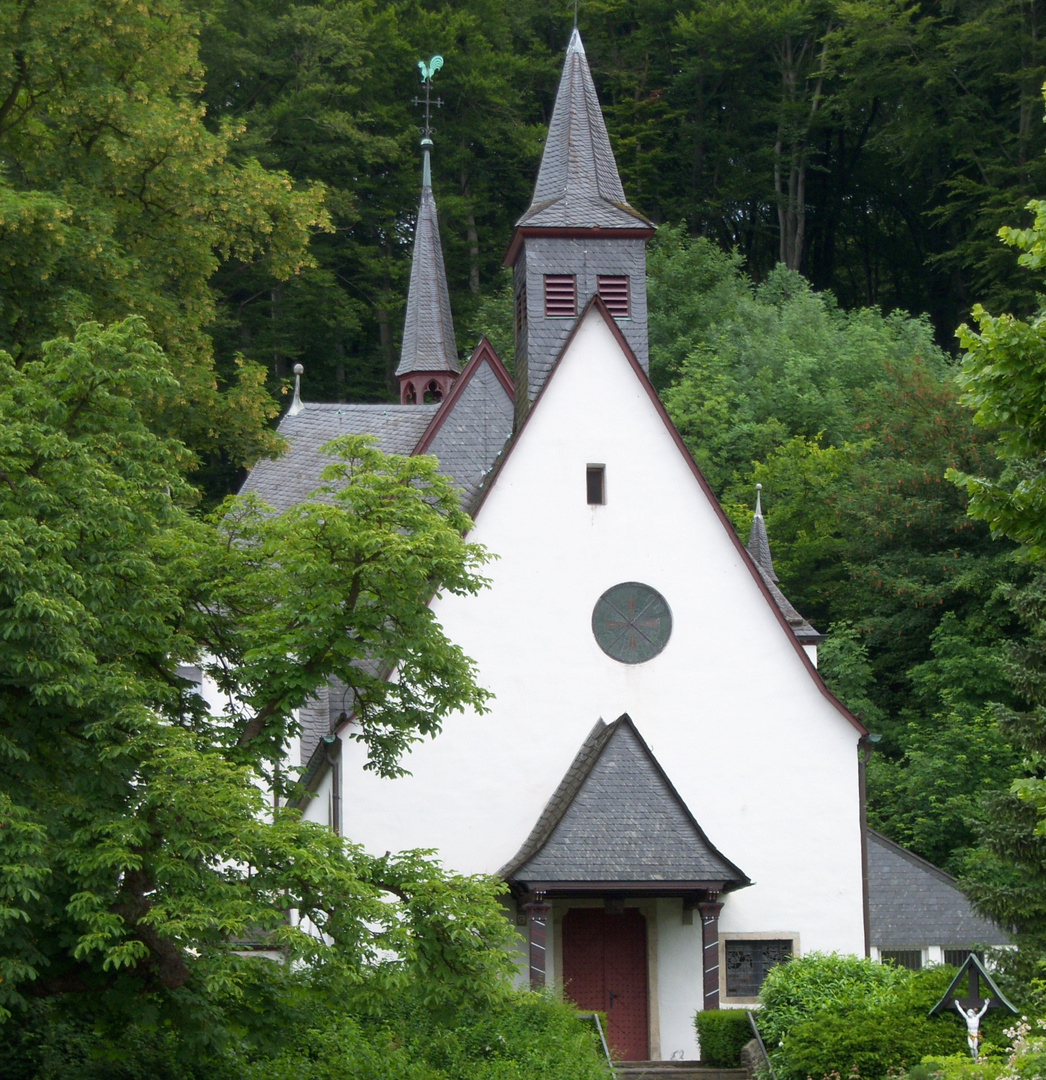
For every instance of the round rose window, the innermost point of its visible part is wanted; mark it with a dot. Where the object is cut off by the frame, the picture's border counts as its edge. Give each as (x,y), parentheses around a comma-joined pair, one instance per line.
(631,622)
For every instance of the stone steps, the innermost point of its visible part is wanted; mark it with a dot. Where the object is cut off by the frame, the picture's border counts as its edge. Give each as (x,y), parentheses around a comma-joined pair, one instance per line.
(674,1070)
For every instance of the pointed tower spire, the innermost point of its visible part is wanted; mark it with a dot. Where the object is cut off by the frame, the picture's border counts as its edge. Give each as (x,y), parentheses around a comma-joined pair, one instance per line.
(578,183)
(578,238)
(429,355)
(758,542)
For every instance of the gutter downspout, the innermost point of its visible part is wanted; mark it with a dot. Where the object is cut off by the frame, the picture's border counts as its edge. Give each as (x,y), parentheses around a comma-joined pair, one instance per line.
(332,755)
(865,745)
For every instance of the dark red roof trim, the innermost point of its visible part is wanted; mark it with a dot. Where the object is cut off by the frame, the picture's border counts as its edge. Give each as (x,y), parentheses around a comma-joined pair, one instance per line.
(647,385)
(574,233)
(483,353)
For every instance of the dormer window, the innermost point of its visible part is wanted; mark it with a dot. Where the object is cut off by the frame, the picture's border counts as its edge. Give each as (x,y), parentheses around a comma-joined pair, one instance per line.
(560,296)
(613,291)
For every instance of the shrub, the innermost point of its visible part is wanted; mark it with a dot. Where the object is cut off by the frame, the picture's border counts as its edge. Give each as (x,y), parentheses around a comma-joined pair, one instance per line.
(849,1016)
(871,1043)
(722,1033)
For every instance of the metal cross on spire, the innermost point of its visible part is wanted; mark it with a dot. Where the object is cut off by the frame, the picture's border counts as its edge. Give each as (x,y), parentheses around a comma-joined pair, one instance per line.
(427,71)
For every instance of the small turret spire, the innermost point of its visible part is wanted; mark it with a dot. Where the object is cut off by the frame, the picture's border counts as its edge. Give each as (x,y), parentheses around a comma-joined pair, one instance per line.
(758,542)
(429,354)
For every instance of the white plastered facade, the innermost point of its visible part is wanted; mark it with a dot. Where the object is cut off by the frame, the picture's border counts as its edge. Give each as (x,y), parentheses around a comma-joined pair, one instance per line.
(764,760)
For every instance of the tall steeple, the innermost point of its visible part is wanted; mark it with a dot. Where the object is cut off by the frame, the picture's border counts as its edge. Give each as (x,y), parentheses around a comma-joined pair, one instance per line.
(579,237)
(429,355)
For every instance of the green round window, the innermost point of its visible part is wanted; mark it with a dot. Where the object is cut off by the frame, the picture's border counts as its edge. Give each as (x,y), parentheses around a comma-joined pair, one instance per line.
(631,622)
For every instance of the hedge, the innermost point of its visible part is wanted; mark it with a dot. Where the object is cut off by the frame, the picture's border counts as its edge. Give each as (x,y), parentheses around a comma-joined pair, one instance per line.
(721,1034)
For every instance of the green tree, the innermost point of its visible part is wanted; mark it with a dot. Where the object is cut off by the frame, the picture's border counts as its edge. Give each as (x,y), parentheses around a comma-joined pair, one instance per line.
(136,843)
(116,199)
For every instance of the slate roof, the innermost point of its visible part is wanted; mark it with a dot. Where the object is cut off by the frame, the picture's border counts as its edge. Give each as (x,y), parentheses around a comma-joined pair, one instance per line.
(912,904)
(578,185)
(615,817)
(428,329)
(469,433)
(292,477)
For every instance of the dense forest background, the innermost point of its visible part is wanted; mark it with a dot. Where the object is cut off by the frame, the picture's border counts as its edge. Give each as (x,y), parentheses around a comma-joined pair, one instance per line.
(828,178)
(875,147)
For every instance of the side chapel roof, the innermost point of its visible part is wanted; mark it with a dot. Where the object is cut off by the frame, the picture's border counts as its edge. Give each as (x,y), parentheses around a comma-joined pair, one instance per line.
(578,185)
(912,904)
(292,477)
(616,818)
(428,329)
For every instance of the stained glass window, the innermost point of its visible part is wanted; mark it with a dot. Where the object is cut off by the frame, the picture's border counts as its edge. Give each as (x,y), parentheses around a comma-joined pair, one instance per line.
(747,963)
(632,622)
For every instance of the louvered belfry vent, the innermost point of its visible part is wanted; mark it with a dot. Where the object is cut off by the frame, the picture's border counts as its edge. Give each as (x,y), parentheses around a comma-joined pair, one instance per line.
(613,291)
(560,296)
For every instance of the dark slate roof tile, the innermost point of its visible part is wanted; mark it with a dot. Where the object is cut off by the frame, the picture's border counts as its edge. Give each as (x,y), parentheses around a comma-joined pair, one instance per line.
(758,542)
(292,477)
(474,432)
(578,185)
(428,329)
(616,817)
(912,904)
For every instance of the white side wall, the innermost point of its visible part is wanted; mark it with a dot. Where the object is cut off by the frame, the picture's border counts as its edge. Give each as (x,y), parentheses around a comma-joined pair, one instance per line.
(764,761)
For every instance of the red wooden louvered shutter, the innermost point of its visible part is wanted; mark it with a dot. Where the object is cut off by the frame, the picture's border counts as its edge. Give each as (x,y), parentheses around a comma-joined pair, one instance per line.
(560,296)
(521,309)
(613,291)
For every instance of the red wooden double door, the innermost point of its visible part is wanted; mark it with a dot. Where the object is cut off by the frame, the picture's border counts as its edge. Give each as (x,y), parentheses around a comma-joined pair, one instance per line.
(605,970)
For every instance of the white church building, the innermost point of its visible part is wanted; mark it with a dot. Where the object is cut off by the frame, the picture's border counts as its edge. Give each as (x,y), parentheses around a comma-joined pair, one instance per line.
(663,781)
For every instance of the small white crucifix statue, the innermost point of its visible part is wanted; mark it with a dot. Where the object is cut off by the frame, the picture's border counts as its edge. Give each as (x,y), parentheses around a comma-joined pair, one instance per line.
(973,1026)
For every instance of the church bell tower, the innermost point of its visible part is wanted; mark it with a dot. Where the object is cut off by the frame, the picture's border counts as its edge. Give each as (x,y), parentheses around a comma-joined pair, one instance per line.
(578,239)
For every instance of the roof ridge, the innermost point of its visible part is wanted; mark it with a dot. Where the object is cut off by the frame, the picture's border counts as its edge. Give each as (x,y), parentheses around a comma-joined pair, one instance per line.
(484,352)
(915,860)
(560,799)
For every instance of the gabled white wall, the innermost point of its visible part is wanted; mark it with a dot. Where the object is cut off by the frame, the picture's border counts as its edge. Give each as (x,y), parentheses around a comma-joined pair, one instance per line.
(764,761)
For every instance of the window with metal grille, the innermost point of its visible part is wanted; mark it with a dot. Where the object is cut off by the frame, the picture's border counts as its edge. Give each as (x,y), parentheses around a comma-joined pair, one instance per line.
(957,957)
(613,291)
(596,481)
(912,959)
(521,308)
(560,296)
(747,963)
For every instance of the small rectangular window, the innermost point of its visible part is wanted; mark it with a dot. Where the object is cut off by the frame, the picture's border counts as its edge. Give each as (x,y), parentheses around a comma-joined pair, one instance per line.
(747,963)
(560,296)
(613,291)
(595,477)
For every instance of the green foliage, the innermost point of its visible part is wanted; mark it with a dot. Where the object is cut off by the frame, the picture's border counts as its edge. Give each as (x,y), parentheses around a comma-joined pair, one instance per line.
(135,841)
(116,200)
(327,1030)
(830,1014)
(1025,1058)
(721,1033)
